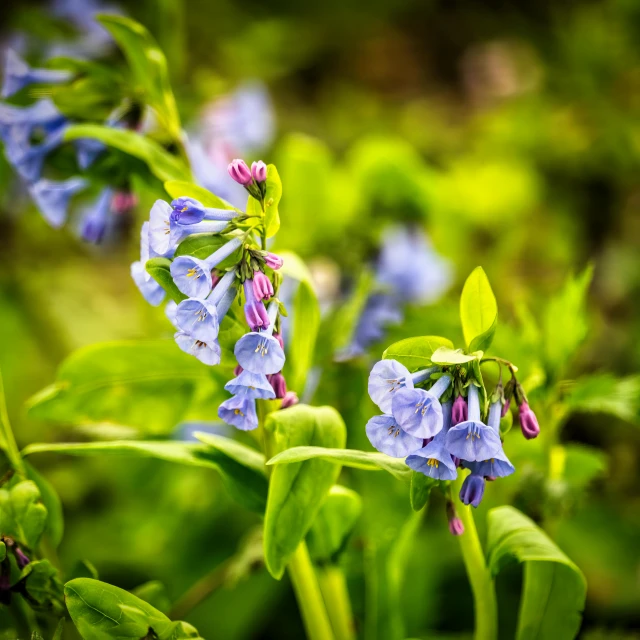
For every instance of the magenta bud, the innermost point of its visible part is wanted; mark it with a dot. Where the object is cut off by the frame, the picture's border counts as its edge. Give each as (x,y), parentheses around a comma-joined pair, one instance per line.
(456,527)
(237,370)
(459,411)
(21,559)
(290,398)
(215,278)
(505,408)
(528,422)
(259,171)
(279,384)
(254,310)
(273,261)
(239,171)
(278,337)
(262,287)
(123,202)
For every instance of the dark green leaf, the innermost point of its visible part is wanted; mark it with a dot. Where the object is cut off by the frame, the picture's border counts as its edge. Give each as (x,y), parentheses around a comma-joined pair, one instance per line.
(202,245)
(415,353)
(155,594)
(22,514)
(478,311)
(41,587)
(554,589)
(51,500)
(179,188)
(582,464)
(160,270)
(83,569)
(420,491)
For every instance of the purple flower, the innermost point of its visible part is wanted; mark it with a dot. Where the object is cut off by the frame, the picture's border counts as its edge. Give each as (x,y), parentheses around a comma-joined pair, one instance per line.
(273,261)
(239,171)
(18,74)
(279,384)
(21,559)
(262,287)
(472,490)
(459,410)
(259,171)
(239,411)
(260,352)
(189,211)
(94,221)
(52,198)
(528,422)
(254,309)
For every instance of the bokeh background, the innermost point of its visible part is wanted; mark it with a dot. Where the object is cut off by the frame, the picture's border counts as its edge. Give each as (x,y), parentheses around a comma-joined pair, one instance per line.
(509,133)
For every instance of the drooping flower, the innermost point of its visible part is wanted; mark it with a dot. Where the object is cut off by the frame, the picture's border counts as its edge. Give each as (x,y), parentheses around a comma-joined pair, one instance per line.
(528,422)
(472,440)
(386,436)
(259,351)
(456,528)
(207,353)
(239,411)
(254,385)
(262,287)
(152,292)
(189,211)
(52,198)
(93,224)
(28,159)
(499,465)
(418,411)
(87,150)
(273,261)
(259,171)
(18,74)
(472,490)
(459,410)
(389,376)
(254,309)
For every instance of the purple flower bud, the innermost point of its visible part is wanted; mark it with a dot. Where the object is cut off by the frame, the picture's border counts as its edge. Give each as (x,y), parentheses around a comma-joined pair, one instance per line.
(528,422)
(237,370)
(505,408)
(472,490)
(460,411)
(279,384)
(21,559)
(259,171)
(279,338)
(289,400)
(239,171)
(123,202)
(254,311)
(262,287)
(273,261)
(455,524)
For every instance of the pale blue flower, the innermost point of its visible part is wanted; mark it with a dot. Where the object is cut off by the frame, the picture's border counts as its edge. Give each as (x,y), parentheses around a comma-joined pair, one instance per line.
(254,385)
(189,211)
(472,490)
(259,351)
(386,436)
(239,411)
(152,292)
(28,159)
(87,150)
(93,224)
(498,466)
(52,198)
(207,353)
(170,310)
(18,74)
(18,123)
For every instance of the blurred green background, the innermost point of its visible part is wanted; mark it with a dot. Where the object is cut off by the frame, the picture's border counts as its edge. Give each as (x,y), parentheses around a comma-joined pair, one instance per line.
(510,132)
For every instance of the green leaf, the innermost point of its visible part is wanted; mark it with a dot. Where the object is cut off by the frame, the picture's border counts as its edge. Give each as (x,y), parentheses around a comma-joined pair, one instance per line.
(581,464)
(83,569)
(101,611)
(149,67)
(179,188)
(160,270)
(366,460)
(235,450)
(150,385)
(94,96)
(605,393)
(554,589)
(243,477)
(272,197)
(22,514)
(154,593)
(420,491)
(296,491)
(160,162)
(478,311)
(202,245)
(446,356)
(333,524)
(41,587)
(415,353)
(7,440)
(51,501)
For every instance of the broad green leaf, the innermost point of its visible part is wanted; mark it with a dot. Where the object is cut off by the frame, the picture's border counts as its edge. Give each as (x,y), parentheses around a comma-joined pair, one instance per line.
(91,97)
(22,514)
(296,491)
(151,385)
(366,460)
(554,589)
(202,245)
(40,585)
(179,188)
(101,611)
(415,353)
(160,162)
(446,356)
(51,501)
(243,477)
(160,270)
(293,266)
(604,393)
(420,491)
(154,593)
(478,311)
(235,450)
(333,524)
(272,198)
(149,67)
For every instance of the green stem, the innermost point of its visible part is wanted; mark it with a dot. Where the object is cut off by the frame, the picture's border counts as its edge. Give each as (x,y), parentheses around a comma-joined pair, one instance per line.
(336,598)
(482,586)
(7,439)
(308,595)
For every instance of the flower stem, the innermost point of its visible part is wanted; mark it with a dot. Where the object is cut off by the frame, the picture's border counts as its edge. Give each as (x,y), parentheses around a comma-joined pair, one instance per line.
(307,590)
(336,597)
(482,586)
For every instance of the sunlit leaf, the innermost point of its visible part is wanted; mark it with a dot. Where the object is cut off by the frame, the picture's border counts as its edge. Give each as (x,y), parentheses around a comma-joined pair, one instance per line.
(478,311)
(415,353)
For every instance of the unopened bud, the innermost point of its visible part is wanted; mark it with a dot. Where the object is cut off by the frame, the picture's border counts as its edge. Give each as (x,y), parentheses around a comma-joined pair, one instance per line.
(259,171)
(239,171)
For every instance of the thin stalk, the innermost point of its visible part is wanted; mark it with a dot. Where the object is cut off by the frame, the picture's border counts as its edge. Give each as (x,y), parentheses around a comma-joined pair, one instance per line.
(7,439)
(307,590)
(336,598)
(482,586)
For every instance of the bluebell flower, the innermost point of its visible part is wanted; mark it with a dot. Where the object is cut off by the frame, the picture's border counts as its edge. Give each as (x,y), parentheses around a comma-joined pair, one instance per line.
(18,123)
(472,440)
(18,74)
(254,385)
(434,460)
(28,159)
(499,465)
(152,292)
(388,376)
(239,411)
(418,411)
(259,351)
(193,276)
(189,211)
(170,310)
(93,224)
(386,436)
(52,198)
(207,352)
(472,490)
(87,150)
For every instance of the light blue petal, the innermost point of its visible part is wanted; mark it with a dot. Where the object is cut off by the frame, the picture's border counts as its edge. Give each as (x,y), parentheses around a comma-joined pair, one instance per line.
(473,441)
(206,353)
(198,318)
(387,437)
(386,377)
(52,198)
(152,292)
(159,228)
(254,385)
(239,411)
(259,353)
(192,276)
(418,412)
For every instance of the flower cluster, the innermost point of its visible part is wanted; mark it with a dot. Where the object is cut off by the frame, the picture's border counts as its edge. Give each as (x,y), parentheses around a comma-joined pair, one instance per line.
(30,134)
(436,434)
(210,285)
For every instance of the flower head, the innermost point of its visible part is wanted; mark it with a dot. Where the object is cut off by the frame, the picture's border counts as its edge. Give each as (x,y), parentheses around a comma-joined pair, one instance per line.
(386,435)
(52,198)
(498,465)
(198,318)
(254,309)
(190,211)
(259,352)
(207,353)
(239,411)
(253,385)
(528,422)
(28,159)
(239,171)
(472,490)
(434,460)
(259,171)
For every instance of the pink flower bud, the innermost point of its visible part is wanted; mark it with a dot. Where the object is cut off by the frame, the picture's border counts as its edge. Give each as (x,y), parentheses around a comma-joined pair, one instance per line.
(237,370)
(278,337)
(239,171)
(505,408)
(259,171)
(459,412)
(279,384)
(456,527)
(254,311)
(215,278)
(528,422)
(289,400)
(123,201)
(273,261)
(262,287)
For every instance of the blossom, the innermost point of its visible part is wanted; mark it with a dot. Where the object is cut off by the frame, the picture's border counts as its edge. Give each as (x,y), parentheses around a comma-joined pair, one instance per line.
(262,287)
(254,385)
(254,309)
(456,527)
(259,171)
(528,422)
(18,123)
(273,261)
(206,352)
(87,150)
(290,399)
(498,465)
(472,440)
(239,171)
(239,411)
(472,490)
(192,276)
(388,376)
(52,198)
(170,310)
(459,410)
(189,211)
(152,292)
(259,351)
(279,384)
(386,436)
(94,221)
(18,74)
(28,159)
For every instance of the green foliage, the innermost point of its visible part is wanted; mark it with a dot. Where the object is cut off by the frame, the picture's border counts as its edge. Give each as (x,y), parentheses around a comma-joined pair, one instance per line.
(478,311)
(416,353)
(296,490)
(101,611)
(148,385)
(50,499)
(180,188)
(155,594)
(202,245)
(333,524)
(159,270)
(22,514)
(41,587)
(273,194)
(420,491)
(554,589)
(448,357)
